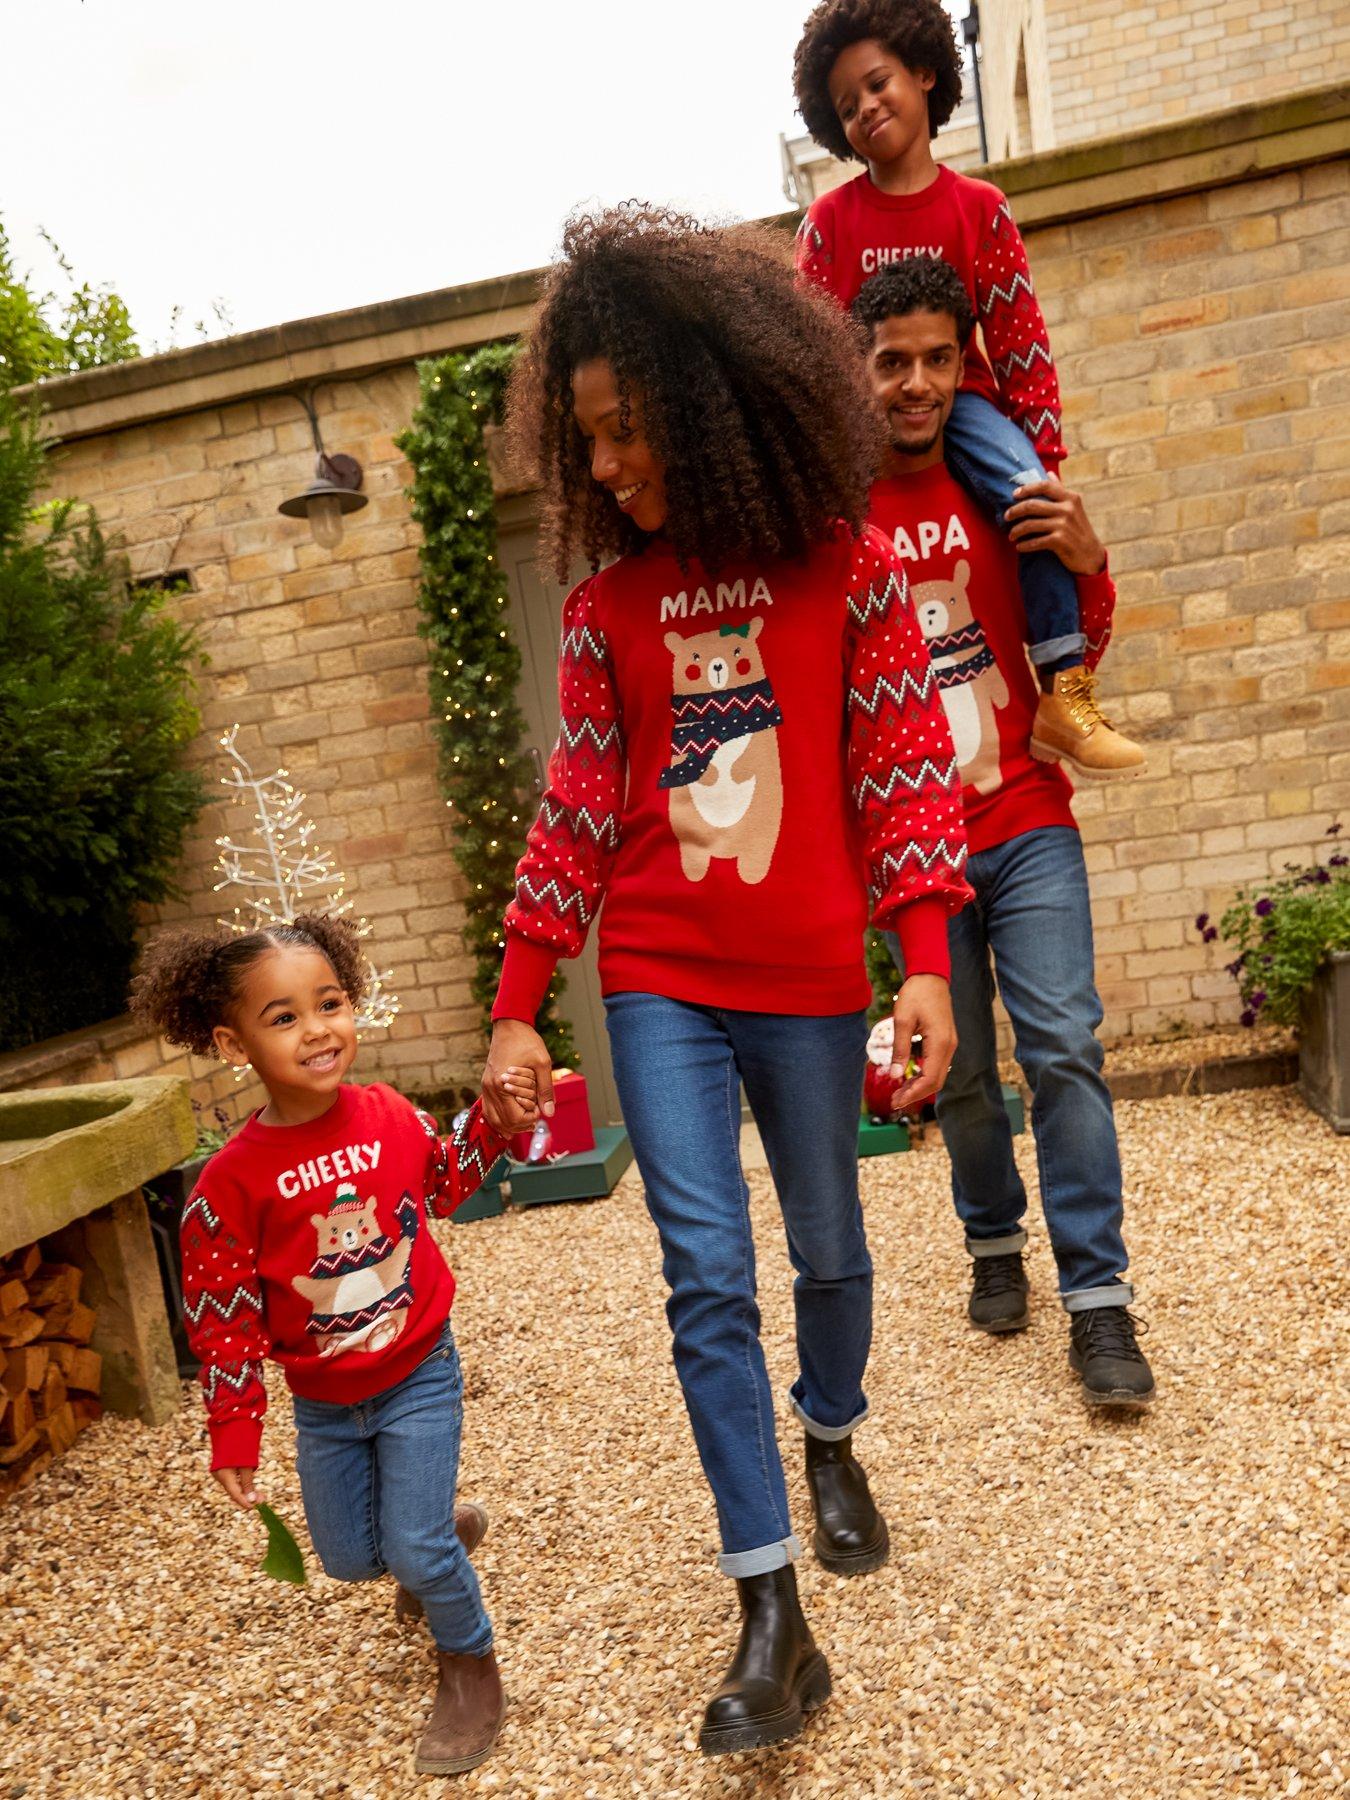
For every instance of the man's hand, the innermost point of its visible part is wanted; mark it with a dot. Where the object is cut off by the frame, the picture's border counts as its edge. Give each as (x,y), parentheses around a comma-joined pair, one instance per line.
(238,1484)
(923,1008)
(516,1051)
(1048,516)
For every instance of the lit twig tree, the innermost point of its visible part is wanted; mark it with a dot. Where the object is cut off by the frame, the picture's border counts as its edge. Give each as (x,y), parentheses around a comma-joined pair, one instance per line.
(283,873)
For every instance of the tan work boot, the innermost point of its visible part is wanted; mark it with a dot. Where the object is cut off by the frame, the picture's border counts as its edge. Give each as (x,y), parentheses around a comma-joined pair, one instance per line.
(466,1715)
(471,1523)
(1071,727)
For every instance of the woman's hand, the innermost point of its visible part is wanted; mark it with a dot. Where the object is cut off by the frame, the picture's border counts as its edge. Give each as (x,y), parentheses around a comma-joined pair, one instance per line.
(515,1046)
(1048,516)
(238,1484)
(923,1008)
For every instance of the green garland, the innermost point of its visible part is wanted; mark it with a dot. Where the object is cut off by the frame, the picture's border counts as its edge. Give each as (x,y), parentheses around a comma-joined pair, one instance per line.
(475,664)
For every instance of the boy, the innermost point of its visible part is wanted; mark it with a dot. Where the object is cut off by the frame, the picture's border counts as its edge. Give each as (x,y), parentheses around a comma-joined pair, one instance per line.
(875,80)
(1026,865)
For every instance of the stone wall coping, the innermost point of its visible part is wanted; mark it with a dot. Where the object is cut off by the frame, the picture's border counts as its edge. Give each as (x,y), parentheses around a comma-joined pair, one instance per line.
(76,1149)
(39,1062)
(1105,174)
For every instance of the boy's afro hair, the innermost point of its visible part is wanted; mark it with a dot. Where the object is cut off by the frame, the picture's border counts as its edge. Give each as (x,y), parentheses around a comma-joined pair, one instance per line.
(918,32)
(189,980)
(915,284)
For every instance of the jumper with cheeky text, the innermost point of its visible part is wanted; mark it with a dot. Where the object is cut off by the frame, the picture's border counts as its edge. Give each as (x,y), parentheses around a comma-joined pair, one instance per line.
(308,1244)
(853,231)
(968,602)
(747,764)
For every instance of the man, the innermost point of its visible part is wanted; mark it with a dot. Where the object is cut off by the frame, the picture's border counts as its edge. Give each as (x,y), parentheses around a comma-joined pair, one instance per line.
(1030,912)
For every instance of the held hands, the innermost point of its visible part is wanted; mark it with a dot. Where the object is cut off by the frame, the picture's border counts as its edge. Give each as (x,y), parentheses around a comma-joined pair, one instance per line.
(239,1485)
(517,1078)
(1048,516)
(923,1008)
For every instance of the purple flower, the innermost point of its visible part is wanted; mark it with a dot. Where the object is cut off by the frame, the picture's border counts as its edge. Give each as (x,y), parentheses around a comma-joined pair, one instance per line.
(1247,1018)
(1334,830)
(1263,906)
(1234,968)
(1322,877)
(1210,933)
(1201,920)
(1266,961)
(1258,999)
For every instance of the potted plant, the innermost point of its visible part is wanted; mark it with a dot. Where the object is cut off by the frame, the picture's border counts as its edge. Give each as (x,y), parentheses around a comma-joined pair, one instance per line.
(1292,967)
(166,1195)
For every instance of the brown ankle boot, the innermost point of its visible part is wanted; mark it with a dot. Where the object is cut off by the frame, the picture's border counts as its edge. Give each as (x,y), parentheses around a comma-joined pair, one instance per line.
(471,1523)
(1071,727)
(466,1715)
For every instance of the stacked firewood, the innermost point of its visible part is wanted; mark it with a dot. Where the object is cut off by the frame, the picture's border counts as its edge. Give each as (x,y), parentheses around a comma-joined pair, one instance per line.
(49,1377)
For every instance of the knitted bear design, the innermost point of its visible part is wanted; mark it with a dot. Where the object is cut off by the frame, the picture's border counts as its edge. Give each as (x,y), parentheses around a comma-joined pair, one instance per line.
(358,1283)
(724,776)
(969,680)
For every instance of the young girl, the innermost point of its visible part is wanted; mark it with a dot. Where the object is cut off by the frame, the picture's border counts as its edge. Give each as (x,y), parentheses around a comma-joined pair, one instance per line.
(305,1241)
(751,738)
(876,80)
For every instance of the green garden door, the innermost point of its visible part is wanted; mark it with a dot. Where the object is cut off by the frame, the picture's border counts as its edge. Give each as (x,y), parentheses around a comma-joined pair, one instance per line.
(535,606)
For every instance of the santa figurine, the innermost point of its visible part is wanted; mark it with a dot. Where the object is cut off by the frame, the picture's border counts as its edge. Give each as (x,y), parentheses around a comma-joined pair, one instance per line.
(880,1087)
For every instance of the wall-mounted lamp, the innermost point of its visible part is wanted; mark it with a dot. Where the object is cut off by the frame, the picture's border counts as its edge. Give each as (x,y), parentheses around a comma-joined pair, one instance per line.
(335,489)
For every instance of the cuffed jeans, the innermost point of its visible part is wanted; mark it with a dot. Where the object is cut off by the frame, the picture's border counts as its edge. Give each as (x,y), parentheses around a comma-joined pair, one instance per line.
(993,457)
(378,1483)
(1031,914)
(679,1069)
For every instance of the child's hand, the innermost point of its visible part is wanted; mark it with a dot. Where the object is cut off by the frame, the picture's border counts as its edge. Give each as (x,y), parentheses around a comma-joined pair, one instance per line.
(518,1046)
(239,1485)
(520,1084)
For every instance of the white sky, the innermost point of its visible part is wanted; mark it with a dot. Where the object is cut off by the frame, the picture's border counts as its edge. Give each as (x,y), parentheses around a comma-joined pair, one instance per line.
(302,156)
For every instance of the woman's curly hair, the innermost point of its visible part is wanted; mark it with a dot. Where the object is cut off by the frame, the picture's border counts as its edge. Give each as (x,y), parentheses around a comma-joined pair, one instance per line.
(919,32)
(751,391)
(189,981)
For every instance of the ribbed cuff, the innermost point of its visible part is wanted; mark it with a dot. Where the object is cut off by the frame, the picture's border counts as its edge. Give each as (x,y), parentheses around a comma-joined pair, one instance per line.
(527,970)
(1090,586)
(235,1443)
(922,929)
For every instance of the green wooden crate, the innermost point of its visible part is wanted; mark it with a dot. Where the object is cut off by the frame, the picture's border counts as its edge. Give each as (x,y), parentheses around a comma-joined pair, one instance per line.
(882,1140)
(588,1175)
(1017,1116)
(487,1203)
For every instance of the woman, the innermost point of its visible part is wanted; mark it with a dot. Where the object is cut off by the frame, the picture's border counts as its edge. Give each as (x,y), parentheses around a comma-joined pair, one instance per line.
(751,736)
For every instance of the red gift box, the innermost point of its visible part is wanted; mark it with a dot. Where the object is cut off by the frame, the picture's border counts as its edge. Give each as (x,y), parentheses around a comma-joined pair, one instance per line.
(570,1128)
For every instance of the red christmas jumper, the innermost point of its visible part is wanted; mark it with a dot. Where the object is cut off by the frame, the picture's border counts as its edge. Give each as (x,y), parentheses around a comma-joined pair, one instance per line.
(963,580)
(853,231)
(743,761)
(306,1243)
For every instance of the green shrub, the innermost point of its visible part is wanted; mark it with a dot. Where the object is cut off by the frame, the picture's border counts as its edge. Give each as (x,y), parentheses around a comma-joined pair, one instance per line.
(95,711)
(1283,931)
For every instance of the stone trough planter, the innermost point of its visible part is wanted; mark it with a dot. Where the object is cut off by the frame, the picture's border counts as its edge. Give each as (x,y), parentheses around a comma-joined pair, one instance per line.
(72,1163)
(1324,1043)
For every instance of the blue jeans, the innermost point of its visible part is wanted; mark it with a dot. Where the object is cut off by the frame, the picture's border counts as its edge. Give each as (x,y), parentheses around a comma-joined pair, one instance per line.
(378,1482)
(1031,912)
(678,1069)
(992,458)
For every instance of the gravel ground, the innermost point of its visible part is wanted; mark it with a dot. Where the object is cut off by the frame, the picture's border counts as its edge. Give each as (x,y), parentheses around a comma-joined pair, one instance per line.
(1143,1607)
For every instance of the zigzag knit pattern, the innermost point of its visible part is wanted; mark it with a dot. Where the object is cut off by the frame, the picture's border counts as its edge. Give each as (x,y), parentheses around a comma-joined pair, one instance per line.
(899,743)
(1015,335)
(224,1305)
(461,1163)
(572,843)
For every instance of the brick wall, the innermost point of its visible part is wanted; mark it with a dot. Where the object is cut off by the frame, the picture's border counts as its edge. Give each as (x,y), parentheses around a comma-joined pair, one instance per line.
(1203,345)
(1117,67)
(1203,350)
(315,654)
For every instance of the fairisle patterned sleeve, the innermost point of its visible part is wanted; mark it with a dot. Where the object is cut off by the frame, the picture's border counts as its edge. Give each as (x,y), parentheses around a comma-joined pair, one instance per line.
(458,1166)
(570,850)
(223,1302)
(901,765)
(1015,334)
(1096,613)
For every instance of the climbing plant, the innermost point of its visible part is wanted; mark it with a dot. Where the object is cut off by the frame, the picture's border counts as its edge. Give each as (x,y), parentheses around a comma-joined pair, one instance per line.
(474,662)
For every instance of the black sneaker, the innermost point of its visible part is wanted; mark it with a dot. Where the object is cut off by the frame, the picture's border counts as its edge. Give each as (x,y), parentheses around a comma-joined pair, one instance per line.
(998,1294)
(1104,1355)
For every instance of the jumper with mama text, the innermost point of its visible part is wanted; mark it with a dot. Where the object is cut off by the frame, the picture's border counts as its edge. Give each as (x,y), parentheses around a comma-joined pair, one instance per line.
(875,81)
